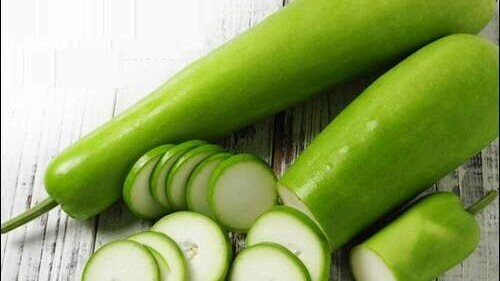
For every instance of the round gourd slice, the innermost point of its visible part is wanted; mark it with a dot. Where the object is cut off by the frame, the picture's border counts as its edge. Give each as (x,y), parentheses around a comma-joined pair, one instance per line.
(136,191)
(122,260)
(295,231)
(241,188)
(161,263)
(168,250)
(267,261)
(205,245)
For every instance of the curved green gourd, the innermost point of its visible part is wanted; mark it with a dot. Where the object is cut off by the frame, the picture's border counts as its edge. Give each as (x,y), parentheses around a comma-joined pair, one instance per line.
(411,127)
(304,49)
(430,238)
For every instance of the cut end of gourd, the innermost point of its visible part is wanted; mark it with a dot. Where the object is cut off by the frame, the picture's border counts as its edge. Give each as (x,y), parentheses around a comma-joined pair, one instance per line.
(289,198)
(366,265)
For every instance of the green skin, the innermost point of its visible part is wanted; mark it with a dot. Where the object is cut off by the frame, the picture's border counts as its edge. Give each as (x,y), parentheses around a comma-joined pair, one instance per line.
(171,155)
(416,123)
(432,237)
(304,49)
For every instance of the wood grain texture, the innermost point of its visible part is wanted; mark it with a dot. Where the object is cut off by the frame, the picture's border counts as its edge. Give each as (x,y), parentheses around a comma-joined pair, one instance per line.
(69,67)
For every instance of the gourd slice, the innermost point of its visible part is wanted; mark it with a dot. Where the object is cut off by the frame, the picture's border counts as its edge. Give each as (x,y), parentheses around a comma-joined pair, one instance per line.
(295,231)
(122,260)
(268,261)
(168,250)
(136,191)
(204,244)
(241,189)
(197,186)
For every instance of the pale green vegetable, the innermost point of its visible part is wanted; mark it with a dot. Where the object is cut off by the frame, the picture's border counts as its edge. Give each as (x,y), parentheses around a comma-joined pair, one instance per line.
(412,126)
(427,240)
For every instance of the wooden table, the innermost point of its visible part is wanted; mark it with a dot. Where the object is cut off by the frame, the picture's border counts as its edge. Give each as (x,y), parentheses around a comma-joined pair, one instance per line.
(68,66)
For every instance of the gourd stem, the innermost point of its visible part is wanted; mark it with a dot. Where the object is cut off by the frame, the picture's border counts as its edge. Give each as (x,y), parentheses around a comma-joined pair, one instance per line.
(39,209)
(482,203)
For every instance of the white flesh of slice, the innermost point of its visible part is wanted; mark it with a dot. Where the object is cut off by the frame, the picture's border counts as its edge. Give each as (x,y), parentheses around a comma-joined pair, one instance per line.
(205,245)
(290,199)
(122,260)
(168,250)
(366,265)
(264,262)
(241,192)
(289,230)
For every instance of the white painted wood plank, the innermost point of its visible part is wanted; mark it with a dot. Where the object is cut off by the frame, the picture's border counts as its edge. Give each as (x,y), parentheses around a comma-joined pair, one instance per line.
(22,186)
(75,239)
(59,251)
(489,218)
(71,119)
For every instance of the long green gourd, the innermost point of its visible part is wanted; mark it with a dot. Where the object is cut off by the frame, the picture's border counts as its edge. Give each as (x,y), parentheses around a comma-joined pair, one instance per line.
(304,49)
(412,126)
(427,240)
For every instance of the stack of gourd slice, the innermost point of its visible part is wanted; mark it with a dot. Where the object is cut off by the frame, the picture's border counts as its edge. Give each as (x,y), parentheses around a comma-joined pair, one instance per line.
(181,246)
(224,191)
(204,178)
(283,244)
